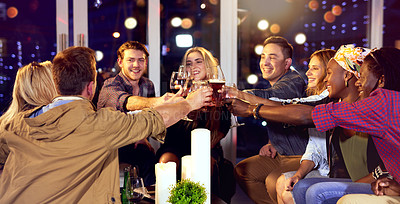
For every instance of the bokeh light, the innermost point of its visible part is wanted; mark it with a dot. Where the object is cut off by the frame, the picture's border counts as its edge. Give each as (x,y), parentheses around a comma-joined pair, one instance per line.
(209,19)
(214,2)
(252,79)
(141,3)
(187,23)
(97,3)
(176,22)
(12,12)
(275,28)
(130,23)
(329,17)
(258,49)
(116,34)
(264,123)
(300,38)
(263,24)
(313,5)
(337,10)
(99,55)
(184,40)
(203,6)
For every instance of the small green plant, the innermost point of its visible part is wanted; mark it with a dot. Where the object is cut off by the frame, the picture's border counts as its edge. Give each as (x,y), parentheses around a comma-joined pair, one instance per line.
(187,192)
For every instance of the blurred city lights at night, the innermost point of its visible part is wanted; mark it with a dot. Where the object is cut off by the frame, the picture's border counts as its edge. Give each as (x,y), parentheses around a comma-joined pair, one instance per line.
(184,40)
(263,24)
(300,38)
(176,22)
(130,23)
(116,34)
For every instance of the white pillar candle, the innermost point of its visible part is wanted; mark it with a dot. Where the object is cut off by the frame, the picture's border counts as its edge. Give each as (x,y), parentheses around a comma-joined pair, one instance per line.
(186,167)
(201,153)
(165,178)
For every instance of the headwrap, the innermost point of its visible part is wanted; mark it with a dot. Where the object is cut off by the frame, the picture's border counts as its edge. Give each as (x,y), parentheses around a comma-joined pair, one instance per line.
(351,58)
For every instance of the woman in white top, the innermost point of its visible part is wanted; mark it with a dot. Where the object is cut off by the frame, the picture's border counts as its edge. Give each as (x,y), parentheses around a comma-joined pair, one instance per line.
(315,156)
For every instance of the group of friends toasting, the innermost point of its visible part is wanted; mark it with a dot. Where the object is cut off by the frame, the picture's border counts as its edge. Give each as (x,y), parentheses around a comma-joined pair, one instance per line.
(333,136)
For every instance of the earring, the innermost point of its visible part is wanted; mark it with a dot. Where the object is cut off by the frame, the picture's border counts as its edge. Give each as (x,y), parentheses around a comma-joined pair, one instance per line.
(346,83)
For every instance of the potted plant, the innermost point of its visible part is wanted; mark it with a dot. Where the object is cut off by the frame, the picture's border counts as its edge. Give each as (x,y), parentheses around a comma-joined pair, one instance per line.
(187,192)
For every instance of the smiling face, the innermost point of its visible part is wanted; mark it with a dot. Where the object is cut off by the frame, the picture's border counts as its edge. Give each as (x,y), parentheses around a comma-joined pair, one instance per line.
(273,64)
(196,62)
(315,72)
(335,76)
(134,64)
(367,82)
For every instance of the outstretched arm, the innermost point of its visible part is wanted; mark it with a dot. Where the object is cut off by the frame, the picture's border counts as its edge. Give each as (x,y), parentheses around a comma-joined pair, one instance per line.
(172,113)
(139,102)
(232,92)
(295,114)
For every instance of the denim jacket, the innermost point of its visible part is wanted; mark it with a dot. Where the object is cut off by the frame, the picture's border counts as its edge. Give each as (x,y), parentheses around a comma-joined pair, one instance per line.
(290,140)
(291,85)
(316,151)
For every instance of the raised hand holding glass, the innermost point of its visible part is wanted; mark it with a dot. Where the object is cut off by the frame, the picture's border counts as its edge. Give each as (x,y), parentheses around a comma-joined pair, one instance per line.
(216,80)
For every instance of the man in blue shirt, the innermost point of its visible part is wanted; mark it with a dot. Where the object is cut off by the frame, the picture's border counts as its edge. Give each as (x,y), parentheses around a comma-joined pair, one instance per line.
(257,175)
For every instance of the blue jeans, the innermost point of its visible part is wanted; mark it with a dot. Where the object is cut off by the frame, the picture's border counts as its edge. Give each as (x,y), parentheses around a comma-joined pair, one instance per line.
(326,190)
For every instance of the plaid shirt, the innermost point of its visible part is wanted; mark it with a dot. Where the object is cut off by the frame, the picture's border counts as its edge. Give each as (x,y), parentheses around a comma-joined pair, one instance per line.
(116,90)
(377,115)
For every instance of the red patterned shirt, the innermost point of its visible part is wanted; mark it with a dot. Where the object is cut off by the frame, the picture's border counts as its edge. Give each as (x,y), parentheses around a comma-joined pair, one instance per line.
(377,115)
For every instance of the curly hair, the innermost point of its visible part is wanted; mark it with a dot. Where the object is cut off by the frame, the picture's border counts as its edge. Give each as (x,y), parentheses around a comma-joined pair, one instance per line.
(384,62)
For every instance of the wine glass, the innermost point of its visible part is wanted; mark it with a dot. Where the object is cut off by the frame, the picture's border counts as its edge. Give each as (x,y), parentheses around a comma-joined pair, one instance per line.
(198,85)
(236,122)
(175,84)
(136,190)
(188,79)
(216,79)
(182,80)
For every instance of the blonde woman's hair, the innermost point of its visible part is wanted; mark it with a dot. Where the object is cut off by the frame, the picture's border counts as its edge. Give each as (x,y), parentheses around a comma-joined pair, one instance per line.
(209,60)
(34,86)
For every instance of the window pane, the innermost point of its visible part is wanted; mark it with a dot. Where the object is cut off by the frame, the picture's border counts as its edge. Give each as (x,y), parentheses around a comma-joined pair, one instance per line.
(198,20)
(111,23)
(391,17)
(28,33)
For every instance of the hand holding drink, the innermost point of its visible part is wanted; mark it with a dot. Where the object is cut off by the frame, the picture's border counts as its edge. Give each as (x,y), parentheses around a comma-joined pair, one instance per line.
(181,80)
(216,81)
(218,96)
(175,83)
(230,90)
(199,98)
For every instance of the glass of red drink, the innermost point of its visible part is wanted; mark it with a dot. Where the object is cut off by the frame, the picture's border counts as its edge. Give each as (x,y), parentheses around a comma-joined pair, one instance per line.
(216,80)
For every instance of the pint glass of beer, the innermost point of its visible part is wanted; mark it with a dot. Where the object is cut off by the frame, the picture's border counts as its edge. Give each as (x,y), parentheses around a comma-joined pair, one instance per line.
(216,81)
